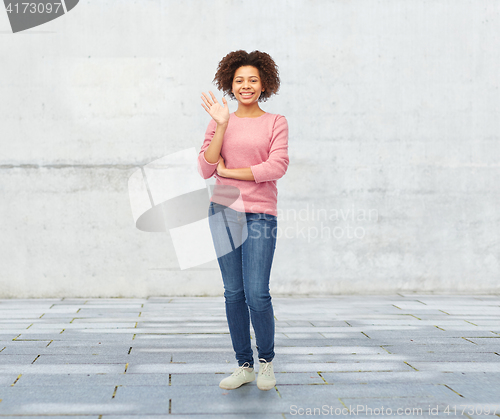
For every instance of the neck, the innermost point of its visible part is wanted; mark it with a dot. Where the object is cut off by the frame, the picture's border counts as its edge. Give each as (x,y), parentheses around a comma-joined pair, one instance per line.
(249,111)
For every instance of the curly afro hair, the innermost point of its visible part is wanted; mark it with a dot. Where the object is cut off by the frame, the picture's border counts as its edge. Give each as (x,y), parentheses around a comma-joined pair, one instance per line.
(268,71)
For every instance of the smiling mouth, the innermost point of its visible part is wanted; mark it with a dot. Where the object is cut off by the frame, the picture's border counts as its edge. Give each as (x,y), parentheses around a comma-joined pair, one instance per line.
(246,94)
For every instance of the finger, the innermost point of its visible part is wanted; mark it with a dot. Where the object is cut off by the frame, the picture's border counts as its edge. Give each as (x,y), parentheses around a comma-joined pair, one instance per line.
(209,102)
(204,107)
(206,102)
(213,97)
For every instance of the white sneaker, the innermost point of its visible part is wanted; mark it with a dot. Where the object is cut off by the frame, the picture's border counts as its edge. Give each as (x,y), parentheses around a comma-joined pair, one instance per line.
(266,379)
(240,376)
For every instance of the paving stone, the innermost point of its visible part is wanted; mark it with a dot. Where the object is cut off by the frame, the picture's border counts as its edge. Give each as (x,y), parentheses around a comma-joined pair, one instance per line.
(308,359)
(368,350)
(214,379)
(91,379)
(360,341)
(375,332)
(314,329)
(140,347)
(474,377)
(68,335)
(16,359)
(55,316)
(80,349)
(416,348)
(7,379)
(205,415)
(327,350)
(7,325)
(25,344)
(411,407)
(310,336)
(63,399)
(52,417)
(457,366)
(423,340)
(247,399)
(201,379)
(302,393)
(493,341)
(445,357)
(172,330)
(58,409)
(171,368)
(61,368)
(200,357)
(25,334)
(58,359)
(299,378)
(385,377)
(340,366)
(479,394)
(78,326)
(203,399)
(483,322)
(183,340)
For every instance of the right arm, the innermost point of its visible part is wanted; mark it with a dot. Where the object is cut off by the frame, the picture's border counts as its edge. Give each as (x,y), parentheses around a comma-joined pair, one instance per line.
(212,153)
(209,156)
(207,167)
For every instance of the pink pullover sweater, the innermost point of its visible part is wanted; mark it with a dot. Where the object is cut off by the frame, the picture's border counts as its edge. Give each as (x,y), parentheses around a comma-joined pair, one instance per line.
(259,143)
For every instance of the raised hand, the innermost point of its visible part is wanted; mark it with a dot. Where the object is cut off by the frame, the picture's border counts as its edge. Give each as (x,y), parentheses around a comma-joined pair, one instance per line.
(218,112)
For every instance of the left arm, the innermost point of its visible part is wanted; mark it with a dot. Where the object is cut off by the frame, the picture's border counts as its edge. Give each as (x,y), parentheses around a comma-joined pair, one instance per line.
(274,167)
(240,174)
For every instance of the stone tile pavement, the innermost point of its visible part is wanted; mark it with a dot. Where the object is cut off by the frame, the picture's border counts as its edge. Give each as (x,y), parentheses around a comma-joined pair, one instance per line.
(402,355)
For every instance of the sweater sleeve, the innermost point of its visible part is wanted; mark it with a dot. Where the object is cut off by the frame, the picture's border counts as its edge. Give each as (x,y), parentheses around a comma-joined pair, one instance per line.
(206,169)
(277,163)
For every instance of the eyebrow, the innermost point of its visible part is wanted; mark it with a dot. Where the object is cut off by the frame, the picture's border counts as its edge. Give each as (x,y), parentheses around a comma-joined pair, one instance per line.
(248,77)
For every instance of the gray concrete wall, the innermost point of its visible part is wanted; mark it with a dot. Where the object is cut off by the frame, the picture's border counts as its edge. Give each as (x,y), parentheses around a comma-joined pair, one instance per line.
(393,106)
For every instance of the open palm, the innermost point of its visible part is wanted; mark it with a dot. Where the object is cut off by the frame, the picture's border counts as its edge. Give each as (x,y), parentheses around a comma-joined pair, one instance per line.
(218,112)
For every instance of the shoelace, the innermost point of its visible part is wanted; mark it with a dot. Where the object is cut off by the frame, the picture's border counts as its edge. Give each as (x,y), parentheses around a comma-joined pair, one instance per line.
(266,369)
(241,368)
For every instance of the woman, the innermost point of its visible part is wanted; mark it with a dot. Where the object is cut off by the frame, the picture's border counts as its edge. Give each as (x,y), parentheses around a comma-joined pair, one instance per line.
(247,152)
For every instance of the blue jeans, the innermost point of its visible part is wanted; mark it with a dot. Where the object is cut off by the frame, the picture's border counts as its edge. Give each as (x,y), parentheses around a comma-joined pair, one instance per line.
(244,244)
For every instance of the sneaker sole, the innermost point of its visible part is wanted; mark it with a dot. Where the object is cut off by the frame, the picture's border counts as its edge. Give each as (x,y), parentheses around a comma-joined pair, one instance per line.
(265,388)
(233,388)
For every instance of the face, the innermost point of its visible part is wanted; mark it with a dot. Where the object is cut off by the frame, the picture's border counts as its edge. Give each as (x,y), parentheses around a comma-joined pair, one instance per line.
(247,85)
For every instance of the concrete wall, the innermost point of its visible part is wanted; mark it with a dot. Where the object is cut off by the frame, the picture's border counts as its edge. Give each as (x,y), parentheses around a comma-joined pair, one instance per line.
(394,143)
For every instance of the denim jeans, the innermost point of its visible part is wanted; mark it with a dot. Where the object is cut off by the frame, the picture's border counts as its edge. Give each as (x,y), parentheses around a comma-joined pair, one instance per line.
(245,244)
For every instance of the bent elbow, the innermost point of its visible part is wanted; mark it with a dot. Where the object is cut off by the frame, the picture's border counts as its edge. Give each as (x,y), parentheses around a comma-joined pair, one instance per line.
(205,174)
(283,169)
